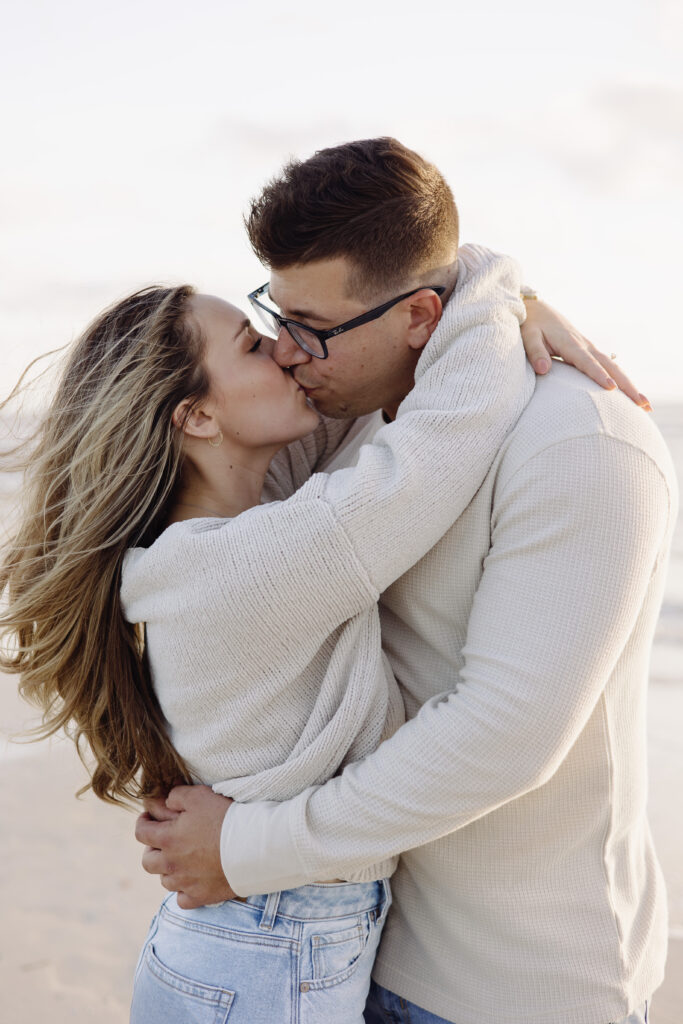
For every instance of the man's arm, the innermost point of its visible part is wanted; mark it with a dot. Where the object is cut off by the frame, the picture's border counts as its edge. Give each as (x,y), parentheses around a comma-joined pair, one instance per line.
(368,524)
(576,538)
(478,411)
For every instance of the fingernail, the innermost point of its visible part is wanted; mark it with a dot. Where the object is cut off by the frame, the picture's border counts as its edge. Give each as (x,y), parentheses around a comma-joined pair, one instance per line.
(609,383)
(542,366)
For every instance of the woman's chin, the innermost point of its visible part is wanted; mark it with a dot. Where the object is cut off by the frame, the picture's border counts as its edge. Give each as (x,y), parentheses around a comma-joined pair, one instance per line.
(311,421)
(304,426)
(310,417)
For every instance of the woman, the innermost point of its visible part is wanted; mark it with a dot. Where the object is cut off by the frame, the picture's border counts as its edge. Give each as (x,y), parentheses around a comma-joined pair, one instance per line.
(261,669)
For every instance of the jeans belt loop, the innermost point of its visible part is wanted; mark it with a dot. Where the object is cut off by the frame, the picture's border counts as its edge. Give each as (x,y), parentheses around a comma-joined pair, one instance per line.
(270,911)
(387,899)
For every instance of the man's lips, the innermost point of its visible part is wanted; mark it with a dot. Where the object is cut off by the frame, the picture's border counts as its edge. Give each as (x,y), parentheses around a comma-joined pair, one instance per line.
(298,383)
(304,387)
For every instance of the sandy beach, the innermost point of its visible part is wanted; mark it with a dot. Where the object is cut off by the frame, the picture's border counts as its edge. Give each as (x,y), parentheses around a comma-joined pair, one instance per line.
(76,903)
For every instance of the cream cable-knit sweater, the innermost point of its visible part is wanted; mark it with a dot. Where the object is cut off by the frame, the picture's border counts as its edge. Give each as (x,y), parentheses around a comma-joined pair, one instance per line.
(263,632)
(521,642)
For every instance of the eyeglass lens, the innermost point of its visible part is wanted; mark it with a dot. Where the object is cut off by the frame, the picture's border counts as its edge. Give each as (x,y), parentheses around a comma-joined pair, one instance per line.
(269,321)
(309,342)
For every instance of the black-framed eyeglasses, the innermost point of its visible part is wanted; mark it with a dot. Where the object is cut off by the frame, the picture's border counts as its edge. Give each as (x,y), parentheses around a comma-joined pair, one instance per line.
(313,341)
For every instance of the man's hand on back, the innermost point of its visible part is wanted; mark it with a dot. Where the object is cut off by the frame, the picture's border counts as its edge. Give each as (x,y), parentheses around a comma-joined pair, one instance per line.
(181,836)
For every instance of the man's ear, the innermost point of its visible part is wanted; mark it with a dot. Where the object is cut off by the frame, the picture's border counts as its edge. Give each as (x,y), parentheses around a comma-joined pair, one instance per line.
(425,312)
(193,421)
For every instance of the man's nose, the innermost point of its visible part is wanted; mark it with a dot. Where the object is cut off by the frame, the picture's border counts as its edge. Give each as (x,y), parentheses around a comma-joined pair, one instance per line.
(286,352)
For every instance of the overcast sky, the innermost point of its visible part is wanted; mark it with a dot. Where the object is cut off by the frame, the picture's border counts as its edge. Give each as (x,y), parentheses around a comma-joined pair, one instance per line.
(134,134)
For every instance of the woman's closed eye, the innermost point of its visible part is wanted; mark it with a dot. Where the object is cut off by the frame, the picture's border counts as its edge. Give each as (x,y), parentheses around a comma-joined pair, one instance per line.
(256,344)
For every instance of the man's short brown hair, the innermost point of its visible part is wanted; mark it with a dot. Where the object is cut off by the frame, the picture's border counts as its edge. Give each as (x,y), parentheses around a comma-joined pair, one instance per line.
(375,202)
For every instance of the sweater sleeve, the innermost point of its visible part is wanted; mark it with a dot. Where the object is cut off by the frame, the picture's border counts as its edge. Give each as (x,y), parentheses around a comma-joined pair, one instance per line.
(315,559)
(471,384)
(420,473)
(293,466)
(304,565)
(577,534)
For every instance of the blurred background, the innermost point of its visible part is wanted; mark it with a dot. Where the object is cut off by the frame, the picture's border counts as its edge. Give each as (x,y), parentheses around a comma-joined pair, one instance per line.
(133,136)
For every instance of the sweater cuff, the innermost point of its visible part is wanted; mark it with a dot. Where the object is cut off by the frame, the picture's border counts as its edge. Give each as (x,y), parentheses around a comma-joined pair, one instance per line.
(258,854)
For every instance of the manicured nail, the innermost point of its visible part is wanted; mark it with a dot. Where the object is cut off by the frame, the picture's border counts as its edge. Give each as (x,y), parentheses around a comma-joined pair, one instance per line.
(542,366)
(644,400)
(609,383)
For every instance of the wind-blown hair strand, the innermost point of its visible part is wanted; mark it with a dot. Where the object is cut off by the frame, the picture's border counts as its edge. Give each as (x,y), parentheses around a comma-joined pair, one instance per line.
(99,476)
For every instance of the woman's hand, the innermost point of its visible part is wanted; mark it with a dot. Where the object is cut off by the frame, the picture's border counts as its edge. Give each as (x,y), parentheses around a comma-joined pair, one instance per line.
(546,333)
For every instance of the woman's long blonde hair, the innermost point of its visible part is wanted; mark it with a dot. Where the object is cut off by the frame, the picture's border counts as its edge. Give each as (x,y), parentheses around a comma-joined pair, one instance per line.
(98,479)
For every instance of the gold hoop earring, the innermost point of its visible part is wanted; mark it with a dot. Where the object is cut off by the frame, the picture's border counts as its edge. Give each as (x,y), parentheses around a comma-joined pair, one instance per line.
(217,440)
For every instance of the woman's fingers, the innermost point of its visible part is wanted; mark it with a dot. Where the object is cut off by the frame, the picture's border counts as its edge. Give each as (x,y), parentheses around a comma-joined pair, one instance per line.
(593,363)
(581,353)
(605,371)
(547,333)
(536,350)
(624,383)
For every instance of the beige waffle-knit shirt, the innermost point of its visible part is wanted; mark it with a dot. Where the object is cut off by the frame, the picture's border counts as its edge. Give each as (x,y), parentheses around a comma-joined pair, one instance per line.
(262,631)
(530,892)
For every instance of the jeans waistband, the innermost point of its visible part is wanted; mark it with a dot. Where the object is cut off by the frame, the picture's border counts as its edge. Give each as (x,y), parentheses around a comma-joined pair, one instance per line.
(318,901)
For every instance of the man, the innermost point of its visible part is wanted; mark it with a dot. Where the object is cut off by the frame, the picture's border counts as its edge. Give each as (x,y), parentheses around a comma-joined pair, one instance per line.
(528,889)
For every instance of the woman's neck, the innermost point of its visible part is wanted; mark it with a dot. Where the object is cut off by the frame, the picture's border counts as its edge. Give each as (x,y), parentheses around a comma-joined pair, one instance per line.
(218,483)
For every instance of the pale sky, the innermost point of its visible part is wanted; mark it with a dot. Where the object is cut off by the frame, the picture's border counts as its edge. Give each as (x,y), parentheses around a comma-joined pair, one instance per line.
(134,134)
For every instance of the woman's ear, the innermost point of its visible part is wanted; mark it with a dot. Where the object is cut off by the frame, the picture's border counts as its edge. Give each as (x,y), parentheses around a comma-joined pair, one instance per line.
(193,421)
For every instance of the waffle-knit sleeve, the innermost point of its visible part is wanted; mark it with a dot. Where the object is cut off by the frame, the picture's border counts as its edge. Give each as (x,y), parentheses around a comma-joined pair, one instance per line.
(472,383)
(577,536)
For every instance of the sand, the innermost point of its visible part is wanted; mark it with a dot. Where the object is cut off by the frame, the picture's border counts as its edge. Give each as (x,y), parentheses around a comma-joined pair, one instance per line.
(76,903)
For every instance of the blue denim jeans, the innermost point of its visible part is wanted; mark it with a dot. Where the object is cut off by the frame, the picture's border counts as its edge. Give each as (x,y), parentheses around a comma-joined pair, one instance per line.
(302,956)
(385,1007)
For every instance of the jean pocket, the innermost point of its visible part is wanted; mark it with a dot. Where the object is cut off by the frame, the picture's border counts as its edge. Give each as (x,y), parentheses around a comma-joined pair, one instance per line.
(335,955)
(161,995)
